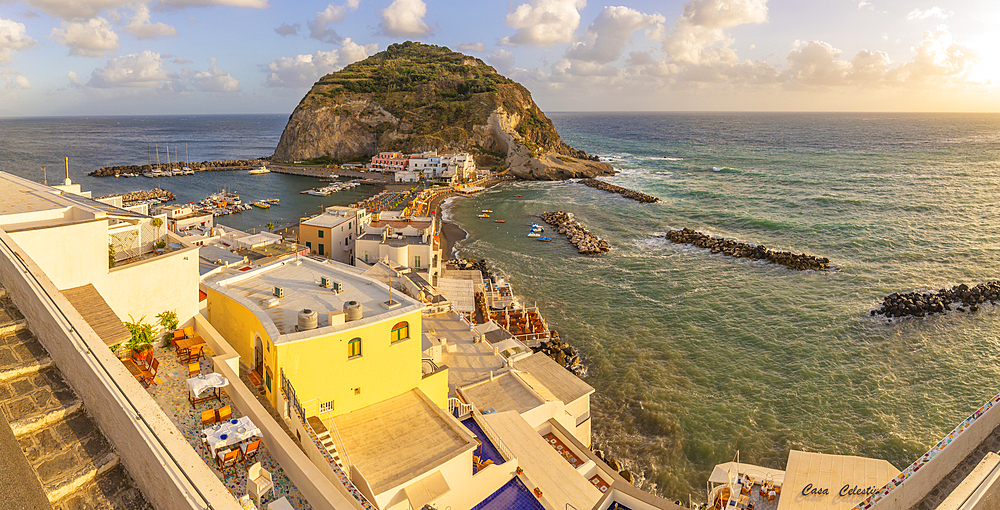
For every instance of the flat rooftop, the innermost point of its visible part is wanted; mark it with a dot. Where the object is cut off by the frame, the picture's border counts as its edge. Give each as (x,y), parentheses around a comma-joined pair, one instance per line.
(28,204)
(299,278)
(471,361)
(328,220)
(398,439)
(561,382)
(506,392)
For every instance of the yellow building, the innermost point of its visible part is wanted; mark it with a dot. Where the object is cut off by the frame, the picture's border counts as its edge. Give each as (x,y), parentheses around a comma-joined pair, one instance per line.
(325,333)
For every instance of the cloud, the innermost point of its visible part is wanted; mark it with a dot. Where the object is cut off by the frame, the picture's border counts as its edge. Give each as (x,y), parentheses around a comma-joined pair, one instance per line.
(605,38)
(477,47)
(938,60)
(91,38)
(933,12)
(13,37)
(141,27)
(134,70)
(699,36)
(180,60)
(14,80)
(543,22)
(85,9)
(74,81)
(286,29)
(304,70)
(405,18)
(215,80)
(319,26)
(501,60)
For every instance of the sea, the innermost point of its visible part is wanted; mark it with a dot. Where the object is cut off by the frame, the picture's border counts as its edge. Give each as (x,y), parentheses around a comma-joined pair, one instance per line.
(696,356)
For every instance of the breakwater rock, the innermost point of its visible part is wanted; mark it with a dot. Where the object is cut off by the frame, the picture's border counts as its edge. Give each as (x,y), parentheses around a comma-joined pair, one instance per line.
(134,197)
(799,262)
(562,353)
(581,238)
(916,304)
(625,192)
(204,166)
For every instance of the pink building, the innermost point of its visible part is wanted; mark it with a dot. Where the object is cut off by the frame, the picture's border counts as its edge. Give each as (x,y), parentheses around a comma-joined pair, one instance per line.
(390,162)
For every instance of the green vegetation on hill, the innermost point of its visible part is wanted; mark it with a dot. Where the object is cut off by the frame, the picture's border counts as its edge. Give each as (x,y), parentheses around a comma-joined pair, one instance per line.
(437,94)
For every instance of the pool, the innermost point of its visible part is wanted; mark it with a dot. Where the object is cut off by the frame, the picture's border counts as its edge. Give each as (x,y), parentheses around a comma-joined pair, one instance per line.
(512,496)
(488,451)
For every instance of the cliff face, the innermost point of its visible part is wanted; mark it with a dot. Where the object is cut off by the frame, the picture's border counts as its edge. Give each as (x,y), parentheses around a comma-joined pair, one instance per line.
(415,97)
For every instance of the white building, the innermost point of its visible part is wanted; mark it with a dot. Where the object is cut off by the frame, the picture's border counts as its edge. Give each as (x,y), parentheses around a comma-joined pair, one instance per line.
(182,218)
(461,165)
(134,263)
(409,241)
(334,233)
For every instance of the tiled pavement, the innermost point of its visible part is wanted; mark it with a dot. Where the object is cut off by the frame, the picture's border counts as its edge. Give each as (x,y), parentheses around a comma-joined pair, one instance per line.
(171,394)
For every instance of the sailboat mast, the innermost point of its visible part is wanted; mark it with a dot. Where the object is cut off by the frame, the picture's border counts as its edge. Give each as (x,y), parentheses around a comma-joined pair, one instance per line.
(157,155)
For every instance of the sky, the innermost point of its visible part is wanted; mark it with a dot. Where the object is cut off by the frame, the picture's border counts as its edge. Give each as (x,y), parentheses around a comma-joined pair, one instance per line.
(152,57)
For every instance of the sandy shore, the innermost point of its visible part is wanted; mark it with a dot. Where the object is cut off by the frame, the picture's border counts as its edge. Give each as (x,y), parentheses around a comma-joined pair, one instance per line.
(451,233)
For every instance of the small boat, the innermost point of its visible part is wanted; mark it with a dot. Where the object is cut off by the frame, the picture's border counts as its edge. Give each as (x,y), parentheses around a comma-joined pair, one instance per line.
(534,234)
(532,223)
(260,170)
(484,215)
(537,228)
(518,196)
(186,171)
(719,169)
(546,239)
(487,211)
(499,221)
(262,205)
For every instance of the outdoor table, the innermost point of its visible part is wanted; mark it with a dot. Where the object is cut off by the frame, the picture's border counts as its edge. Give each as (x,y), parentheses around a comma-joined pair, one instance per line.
(186,344)
(205,382)
(228,433)
(132,368)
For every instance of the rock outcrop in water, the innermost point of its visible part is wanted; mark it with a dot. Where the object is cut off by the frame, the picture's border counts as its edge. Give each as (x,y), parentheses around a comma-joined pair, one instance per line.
(204,166)
(638,196)
(416,97)
(799,262)
(582,239)
(916,304)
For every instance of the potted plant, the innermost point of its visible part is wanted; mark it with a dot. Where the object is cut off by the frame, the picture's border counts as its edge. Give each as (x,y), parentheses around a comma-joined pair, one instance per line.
(141,343)
(168,321)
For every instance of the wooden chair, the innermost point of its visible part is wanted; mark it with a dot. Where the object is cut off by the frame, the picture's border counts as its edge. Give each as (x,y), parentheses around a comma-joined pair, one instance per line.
(249,450)
(224,413)
(194,369)
(259,482)
(193,354)
(178,335)
(209,417)
(148,375)
(227,459)
(188,331)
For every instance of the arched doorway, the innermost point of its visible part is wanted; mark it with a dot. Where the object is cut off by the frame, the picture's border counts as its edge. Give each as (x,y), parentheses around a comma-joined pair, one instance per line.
(258,356)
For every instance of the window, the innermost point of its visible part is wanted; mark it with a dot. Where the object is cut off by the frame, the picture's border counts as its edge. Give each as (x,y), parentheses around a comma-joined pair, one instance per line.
(348,224)
(400,331)
(321,246)
(416,261)
(326,407)
(354,348)
(319,233)
(309,244)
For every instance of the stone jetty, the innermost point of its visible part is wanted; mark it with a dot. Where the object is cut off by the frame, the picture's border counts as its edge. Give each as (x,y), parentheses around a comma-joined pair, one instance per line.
(562,353)
(133,197)
(917,304)
(625,192)
(799,262)
(581,238)
(204,166)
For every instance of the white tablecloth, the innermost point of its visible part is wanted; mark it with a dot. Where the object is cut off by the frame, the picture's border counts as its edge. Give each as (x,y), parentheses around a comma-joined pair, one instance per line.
(198,385)
(213,435)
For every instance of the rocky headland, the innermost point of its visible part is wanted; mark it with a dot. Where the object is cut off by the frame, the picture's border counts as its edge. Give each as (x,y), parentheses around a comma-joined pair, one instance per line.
(799,262)
(922,304)
(581,238)
(416,97)
(638,196)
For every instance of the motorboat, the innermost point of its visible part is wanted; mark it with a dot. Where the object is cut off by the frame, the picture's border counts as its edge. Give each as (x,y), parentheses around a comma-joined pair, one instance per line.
(546,239)
(499,221)
(534,234)
(518,196)
(259,170)
(487,211)
(484,215)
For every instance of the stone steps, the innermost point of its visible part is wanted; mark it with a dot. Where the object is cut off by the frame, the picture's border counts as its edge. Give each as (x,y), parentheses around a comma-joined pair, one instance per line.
(323,434)
(75,464)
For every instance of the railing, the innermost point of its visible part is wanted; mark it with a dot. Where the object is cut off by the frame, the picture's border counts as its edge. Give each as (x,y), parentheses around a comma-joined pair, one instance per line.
(344,479)
(42,293)
(493,437)
(331,426)
(463,408)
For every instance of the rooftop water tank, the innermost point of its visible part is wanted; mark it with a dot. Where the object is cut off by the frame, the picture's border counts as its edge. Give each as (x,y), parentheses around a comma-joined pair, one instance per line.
(308,319)
(353,310)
